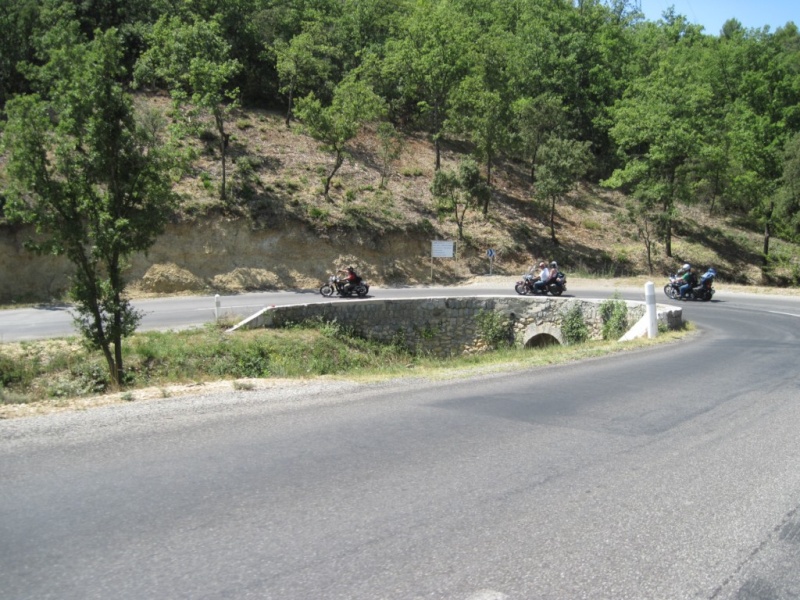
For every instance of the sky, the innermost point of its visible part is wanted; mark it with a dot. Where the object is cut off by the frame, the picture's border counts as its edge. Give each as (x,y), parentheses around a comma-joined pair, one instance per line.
(712,14)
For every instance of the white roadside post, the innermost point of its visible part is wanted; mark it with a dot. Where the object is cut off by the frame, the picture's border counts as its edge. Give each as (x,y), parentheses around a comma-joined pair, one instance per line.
(216,307)
(650,302)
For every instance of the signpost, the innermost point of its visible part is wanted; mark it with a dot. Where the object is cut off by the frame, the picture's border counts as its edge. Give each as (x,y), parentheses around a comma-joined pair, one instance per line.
(442,249)
(491,254)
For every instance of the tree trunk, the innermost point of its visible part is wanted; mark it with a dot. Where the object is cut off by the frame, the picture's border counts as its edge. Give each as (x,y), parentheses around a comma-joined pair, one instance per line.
(223,147)
(289,107)
(337,163)
(767,235)
(460,221)
(553,220)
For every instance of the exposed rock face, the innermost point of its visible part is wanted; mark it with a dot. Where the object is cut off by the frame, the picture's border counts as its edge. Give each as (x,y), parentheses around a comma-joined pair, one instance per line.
(229,256)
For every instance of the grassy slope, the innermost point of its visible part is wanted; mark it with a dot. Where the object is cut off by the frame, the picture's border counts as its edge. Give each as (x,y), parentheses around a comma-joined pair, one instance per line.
(277,175)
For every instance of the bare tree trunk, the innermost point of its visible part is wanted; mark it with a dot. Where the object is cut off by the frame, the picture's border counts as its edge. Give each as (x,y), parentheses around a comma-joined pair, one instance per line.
(337,163)
(289,107)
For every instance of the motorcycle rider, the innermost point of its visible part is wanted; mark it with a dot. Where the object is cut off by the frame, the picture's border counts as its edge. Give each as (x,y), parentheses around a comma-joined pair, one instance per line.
(544,278)
(689,280)
(351,277)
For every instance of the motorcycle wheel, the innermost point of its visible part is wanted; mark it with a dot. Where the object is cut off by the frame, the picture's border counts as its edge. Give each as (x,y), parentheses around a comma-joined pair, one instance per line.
(555,290)
(671,292)
(326,290)
(520,289)
(361,291)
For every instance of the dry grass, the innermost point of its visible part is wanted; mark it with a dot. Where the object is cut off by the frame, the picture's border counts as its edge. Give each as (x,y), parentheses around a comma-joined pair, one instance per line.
(277,174)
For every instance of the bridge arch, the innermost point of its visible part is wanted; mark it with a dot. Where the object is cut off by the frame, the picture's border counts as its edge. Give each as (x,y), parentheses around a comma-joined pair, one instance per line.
(536,336)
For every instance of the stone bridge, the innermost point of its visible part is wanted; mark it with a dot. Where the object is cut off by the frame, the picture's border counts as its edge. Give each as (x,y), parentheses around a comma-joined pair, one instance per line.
(446,326)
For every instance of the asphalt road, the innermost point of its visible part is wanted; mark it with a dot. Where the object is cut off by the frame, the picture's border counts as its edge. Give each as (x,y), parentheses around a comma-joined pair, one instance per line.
(668,473)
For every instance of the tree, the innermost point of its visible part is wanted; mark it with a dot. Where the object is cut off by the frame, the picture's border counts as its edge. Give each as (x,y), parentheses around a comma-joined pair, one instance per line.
(535,119)
(193,59)
(93,184)
(459,191)
(788,202)
(354,104)
(304,63)
(429,61)
(391,148)
(564,162)
(642,215)
(479,113)
(658,127)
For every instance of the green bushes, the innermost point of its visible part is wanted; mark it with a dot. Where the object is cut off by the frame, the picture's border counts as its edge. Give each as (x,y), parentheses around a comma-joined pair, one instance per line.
(574,328)
(614,313)
(494,329)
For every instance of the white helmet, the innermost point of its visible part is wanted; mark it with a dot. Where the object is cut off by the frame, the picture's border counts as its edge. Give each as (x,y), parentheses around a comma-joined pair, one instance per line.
(686,267)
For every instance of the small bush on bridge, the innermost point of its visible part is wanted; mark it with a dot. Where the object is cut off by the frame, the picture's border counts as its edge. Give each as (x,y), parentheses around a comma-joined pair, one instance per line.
(574,328)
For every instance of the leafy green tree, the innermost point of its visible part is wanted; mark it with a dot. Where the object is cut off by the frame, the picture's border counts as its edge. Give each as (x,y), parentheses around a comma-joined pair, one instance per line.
(478,113)
(193,60)
(755,169)
(303,64)
(564,163)
(18,21)
(534,120)
(93,184)
(788,203)
(429,60)
(354,105)
(391,148)
(459,191)
(658,127)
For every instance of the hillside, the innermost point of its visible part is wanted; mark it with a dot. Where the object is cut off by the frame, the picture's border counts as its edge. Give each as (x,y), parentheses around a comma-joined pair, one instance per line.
(277,182)
(278,231)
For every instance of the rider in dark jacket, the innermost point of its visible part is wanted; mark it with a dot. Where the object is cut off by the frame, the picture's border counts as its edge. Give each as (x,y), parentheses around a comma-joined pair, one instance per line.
(352,278)
(690,280)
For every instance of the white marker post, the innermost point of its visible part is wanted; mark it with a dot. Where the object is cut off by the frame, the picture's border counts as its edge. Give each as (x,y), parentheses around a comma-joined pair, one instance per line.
(652,315)
(216,307)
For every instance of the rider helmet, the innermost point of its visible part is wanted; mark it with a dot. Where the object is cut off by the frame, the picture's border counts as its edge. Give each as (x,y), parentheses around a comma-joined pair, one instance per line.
(686,267)
(554,265)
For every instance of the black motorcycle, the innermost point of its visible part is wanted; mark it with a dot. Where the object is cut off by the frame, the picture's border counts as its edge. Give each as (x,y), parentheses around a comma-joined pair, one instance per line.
(526,286)
(342,287)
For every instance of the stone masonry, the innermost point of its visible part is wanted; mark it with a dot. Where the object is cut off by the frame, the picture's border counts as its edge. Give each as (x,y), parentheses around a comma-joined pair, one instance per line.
(447,326)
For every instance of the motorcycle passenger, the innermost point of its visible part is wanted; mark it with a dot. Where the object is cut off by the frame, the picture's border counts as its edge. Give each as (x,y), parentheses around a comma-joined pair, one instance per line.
(554,273)
(351,277)
(689,281)
(709,274)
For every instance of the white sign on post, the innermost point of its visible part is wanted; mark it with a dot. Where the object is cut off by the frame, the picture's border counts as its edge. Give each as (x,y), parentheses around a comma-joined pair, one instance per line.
(441,249)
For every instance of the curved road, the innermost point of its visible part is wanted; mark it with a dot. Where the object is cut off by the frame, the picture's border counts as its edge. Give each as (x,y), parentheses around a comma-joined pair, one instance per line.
(668,473)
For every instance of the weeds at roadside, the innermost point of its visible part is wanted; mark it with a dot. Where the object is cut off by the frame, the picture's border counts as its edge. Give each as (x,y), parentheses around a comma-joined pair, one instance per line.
(300,351)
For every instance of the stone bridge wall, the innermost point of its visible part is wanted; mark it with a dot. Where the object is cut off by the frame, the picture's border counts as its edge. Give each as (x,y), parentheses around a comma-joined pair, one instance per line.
(448,326)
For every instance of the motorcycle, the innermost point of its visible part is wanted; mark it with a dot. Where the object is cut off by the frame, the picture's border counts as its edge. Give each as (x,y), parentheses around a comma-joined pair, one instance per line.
(704,290)
(526,286)
(339,285)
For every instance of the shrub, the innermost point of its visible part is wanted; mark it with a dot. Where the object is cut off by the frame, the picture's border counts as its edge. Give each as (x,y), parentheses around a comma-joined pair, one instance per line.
(574,326)
(614,313)
(494,328)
